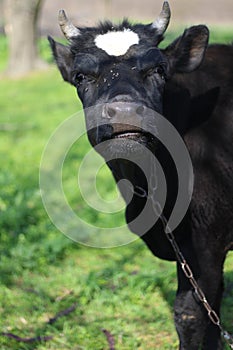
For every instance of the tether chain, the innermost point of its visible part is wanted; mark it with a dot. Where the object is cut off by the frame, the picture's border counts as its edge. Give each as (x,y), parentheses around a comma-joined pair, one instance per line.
(189,274)
(180,258)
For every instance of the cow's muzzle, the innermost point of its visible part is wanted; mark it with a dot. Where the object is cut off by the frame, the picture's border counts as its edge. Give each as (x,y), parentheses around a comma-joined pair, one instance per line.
(121,120)
(125,118)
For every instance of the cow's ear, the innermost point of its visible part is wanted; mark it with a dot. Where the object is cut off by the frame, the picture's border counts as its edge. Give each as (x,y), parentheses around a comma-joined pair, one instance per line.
(63,58)
(186,53)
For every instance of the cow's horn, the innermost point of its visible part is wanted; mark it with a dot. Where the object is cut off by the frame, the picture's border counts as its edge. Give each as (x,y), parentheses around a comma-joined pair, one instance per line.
(161,23)
(68,29)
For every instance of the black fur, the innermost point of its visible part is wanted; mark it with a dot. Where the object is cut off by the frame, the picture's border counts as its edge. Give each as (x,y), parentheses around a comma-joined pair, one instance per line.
(194,94)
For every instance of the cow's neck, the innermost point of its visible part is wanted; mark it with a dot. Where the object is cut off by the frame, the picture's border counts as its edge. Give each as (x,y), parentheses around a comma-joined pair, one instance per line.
(123,169)
(154,238)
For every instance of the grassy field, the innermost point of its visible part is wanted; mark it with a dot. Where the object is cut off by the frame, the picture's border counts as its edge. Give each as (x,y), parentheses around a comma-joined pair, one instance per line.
(63,294)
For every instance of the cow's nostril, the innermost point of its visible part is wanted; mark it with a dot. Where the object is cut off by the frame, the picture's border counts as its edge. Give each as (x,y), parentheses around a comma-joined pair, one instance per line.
(111,112)
(140,110)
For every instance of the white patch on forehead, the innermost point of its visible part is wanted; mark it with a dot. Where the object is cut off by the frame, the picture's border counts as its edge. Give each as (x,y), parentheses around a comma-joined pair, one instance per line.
(117,43)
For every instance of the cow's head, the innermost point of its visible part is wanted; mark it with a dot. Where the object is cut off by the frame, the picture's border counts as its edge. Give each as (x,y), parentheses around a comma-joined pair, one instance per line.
(120,72)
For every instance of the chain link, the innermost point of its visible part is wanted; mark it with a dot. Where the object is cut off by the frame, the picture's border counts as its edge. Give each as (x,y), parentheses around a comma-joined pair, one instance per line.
(189,274)
(180,258)
(140,192)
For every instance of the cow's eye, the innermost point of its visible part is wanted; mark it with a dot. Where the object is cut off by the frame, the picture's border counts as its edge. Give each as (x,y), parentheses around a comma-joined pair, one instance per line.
(160,70)
(157,70)
(80,78)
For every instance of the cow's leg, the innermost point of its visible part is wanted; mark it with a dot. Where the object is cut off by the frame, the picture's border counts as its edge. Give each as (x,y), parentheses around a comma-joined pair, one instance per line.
(192,323)
(190,320)
(212,338)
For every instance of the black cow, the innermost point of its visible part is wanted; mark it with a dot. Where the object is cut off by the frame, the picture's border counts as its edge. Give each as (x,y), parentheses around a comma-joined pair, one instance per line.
(121,72)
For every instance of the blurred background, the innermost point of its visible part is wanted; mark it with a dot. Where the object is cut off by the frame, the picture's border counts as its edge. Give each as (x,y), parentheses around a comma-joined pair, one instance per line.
(25,21)
(87,12)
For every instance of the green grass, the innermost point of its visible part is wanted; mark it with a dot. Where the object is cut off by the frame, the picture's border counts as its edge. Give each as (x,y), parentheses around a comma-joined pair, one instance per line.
(124,290)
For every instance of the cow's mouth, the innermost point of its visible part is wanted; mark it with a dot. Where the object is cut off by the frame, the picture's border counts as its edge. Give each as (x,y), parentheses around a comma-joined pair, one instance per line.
(131,135)
(125,143)
(134,135)
(126,131)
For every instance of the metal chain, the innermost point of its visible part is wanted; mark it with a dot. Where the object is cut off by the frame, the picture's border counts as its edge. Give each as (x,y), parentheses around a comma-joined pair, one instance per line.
(153,185)
(142,193)
(189,274)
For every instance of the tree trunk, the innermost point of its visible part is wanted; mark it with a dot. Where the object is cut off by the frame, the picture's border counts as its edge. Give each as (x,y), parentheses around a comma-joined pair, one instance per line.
(21,17)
